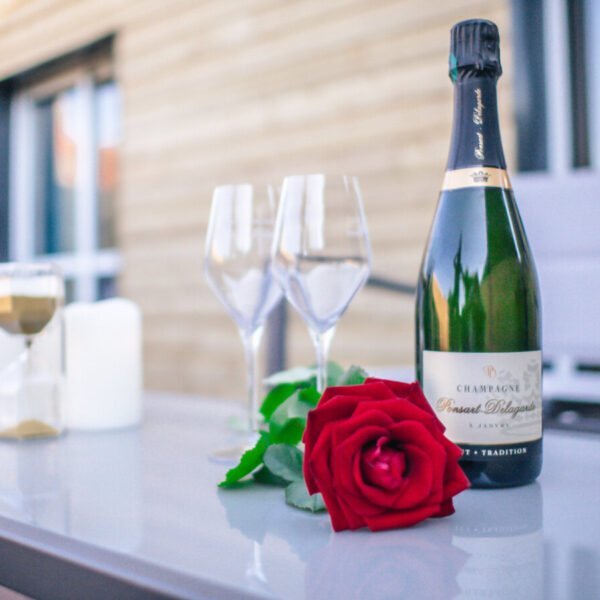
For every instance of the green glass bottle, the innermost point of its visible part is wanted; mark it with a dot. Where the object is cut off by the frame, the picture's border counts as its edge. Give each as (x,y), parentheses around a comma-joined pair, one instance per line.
(478,328)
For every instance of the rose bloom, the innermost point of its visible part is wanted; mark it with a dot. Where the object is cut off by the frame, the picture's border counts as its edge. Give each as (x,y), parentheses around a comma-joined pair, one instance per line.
(378,454)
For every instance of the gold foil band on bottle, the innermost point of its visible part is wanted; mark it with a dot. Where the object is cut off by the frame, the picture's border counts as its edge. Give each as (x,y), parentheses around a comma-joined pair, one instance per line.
(476,177)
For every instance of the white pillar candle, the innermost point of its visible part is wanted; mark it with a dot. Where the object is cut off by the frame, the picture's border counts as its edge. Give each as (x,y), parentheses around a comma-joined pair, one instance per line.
(103,360)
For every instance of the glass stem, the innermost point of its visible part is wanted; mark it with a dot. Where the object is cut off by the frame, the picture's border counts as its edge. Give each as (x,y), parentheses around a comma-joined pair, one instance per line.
(251,341)
(322,343)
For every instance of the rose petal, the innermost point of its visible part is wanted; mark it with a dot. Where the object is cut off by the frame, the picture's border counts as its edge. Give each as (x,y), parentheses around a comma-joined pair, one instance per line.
(414,489)
(452,450)
(399,388)
(400,410)
(373,391)
(366,499)
(336,514)
(457,484)
(420,479)
(355,520)
(318,419)
(455,480)
(317,464)
(424,476)
(413,393)
(446,509)
(422,486)
(382,465)
(370,415)
(417,434)
(338,408)
(347,453)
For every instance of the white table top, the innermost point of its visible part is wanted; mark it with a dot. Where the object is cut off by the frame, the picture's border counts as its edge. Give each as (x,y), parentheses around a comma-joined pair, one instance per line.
(142,507)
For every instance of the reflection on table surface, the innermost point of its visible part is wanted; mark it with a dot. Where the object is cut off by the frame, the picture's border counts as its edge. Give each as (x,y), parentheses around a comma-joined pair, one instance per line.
(151,494)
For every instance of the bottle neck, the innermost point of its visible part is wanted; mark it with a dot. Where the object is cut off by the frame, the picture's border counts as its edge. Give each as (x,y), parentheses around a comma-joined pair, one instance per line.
(476,132)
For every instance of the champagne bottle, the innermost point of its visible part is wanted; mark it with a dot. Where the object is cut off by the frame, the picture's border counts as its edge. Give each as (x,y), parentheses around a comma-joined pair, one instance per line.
(478,341)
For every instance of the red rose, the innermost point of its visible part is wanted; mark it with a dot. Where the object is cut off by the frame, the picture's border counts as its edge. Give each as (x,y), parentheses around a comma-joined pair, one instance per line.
(378,455)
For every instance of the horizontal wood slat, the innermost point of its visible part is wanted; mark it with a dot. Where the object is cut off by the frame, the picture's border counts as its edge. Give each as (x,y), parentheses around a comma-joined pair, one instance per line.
(222,92)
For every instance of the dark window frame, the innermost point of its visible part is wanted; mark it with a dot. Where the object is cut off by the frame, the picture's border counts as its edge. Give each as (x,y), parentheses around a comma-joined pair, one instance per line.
(553,95)
(530,85)
(94,62)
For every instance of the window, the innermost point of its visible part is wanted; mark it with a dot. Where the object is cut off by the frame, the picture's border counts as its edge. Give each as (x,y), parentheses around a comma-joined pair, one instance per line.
(557,87)
(557,84)
(64,141)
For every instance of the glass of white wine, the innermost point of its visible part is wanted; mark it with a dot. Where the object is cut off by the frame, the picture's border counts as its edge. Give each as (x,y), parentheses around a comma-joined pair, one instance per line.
(30,296)
(321,253)
(237,266)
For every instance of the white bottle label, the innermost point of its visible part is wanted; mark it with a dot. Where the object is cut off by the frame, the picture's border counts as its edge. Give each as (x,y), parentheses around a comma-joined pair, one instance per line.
(487,398)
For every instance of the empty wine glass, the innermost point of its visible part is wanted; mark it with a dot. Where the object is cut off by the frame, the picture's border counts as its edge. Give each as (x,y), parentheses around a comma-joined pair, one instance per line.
(321,253)
(237,265)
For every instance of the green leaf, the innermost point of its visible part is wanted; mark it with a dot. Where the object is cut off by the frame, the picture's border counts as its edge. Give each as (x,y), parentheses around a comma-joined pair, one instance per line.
(290,433)
(249,461)
(292,408)
(297,495)
(353,376)
(275,398)
(265,477)
(334,373)
(309,395)
(293,376)
(285,462)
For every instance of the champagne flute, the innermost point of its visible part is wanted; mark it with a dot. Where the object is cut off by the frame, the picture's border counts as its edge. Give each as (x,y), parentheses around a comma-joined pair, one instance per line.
(237,266)
(321,253)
